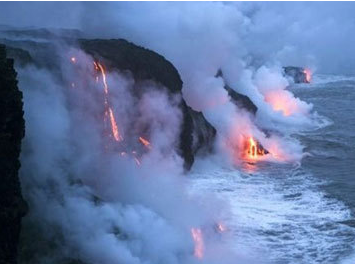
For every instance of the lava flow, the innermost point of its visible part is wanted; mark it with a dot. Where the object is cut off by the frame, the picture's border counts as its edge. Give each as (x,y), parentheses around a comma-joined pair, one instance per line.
(308,74)
(198,239)
(145,142)
(253,149)
(108,110)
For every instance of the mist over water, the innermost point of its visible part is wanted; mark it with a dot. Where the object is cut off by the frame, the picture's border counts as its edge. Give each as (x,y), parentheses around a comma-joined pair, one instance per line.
(95,200)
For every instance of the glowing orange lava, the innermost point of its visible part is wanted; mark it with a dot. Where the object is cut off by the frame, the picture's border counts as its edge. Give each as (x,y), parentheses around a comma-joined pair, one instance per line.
(108,110)
(103,77)
(145,142)
(308,74)
(253,149)
(115,132)
(198,239)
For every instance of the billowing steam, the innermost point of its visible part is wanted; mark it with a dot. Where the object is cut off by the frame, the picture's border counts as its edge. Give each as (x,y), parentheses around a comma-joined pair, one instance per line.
(108,190)
(102,206)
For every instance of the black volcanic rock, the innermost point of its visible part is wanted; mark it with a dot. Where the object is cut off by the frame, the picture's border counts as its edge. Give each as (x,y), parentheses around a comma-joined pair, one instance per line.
(144,64)
(297,73)
(242,101)
(203,133)
(21,56)
(197,135)
(12,129)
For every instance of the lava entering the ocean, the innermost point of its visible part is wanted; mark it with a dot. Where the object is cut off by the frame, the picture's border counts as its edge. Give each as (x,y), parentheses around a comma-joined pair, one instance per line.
(253,149)
(308,75)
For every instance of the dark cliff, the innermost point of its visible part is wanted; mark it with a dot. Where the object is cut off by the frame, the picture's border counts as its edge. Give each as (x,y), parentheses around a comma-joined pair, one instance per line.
(12,129)
(197,135)
(298,74)
(240,100)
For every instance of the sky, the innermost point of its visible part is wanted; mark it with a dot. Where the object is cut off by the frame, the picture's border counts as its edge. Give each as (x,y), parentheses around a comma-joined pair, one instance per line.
(316,33)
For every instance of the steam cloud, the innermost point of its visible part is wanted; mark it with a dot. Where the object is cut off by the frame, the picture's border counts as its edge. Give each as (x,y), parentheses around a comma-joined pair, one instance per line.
(99,207)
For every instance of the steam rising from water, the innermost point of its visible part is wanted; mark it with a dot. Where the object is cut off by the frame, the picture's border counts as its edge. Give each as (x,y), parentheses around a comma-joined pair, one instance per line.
(99,206)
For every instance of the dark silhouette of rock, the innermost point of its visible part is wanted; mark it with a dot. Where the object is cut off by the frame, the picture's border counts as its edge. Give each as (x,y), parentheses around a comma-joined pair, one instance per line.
(22,57)
(242,101)
(297,73)
(143,64)
(197,135)
(12,129)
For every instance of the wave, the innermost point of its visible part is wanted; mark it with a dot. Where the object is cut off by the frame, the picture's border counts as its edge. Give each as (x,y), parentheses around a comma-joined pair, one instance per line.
(282,208)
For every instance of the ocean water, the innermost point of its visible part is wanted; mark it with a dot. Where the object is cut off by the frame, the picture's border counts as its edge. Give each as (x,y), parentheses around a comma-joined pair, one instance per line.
(301,213)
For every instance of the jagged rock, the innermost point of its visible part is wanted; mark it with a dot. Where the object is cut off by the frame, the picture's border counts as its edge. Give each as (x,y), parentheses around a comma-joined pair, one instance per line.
(196,135)
(203,133)
(22,57)
(242,101)
(144,65)
(12,129)
(298,74)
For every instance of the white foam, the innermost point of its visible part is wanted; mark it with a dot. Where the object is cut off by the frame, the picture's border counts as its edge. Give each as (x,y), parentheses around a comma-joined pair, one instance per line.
(282,212)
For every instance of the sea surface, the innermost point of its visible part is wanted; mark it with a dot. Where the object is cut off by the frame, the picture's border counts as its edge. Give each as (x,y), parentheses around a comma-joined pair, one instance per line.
(298,213)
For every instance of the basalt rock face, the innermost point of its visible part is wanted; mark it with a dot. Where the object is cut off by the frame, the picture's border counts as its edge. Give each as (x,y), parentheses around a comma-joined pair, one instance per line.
(144,65)
(242,101)
(197,135)
(12,128)
(203,133)
(296,73)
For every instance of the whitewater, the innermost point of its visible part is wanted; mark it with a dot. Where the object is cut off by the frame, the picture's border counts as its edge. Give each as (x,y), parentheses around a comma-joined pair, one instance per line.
(296,213)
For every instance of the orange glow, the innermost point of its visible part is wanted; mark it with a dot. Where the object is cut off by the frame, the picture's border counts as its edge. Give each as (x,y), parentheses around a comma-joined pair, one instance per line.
(282,101)
(108,110)
(253,149)
(73,59)
(308,74)
(99,66)
(115,132)
(198,239)
(145,142)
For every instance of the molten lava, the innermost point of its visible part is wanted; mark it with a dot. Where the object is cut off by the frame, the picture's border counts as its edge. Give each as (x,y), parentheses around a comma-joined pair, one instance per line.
(253,149)
(145,142)
(115,132)
(108,110)
(308,74)
(198,239)
(102,70)
(110,117)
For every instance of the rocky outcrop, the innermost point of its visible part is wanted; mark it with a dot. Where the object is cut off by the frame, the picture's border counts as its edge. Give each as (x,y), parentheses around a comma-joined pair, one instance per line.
(240,100)
(298,74)
(203,133)
(197,135)
(12,128)
(143,64)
